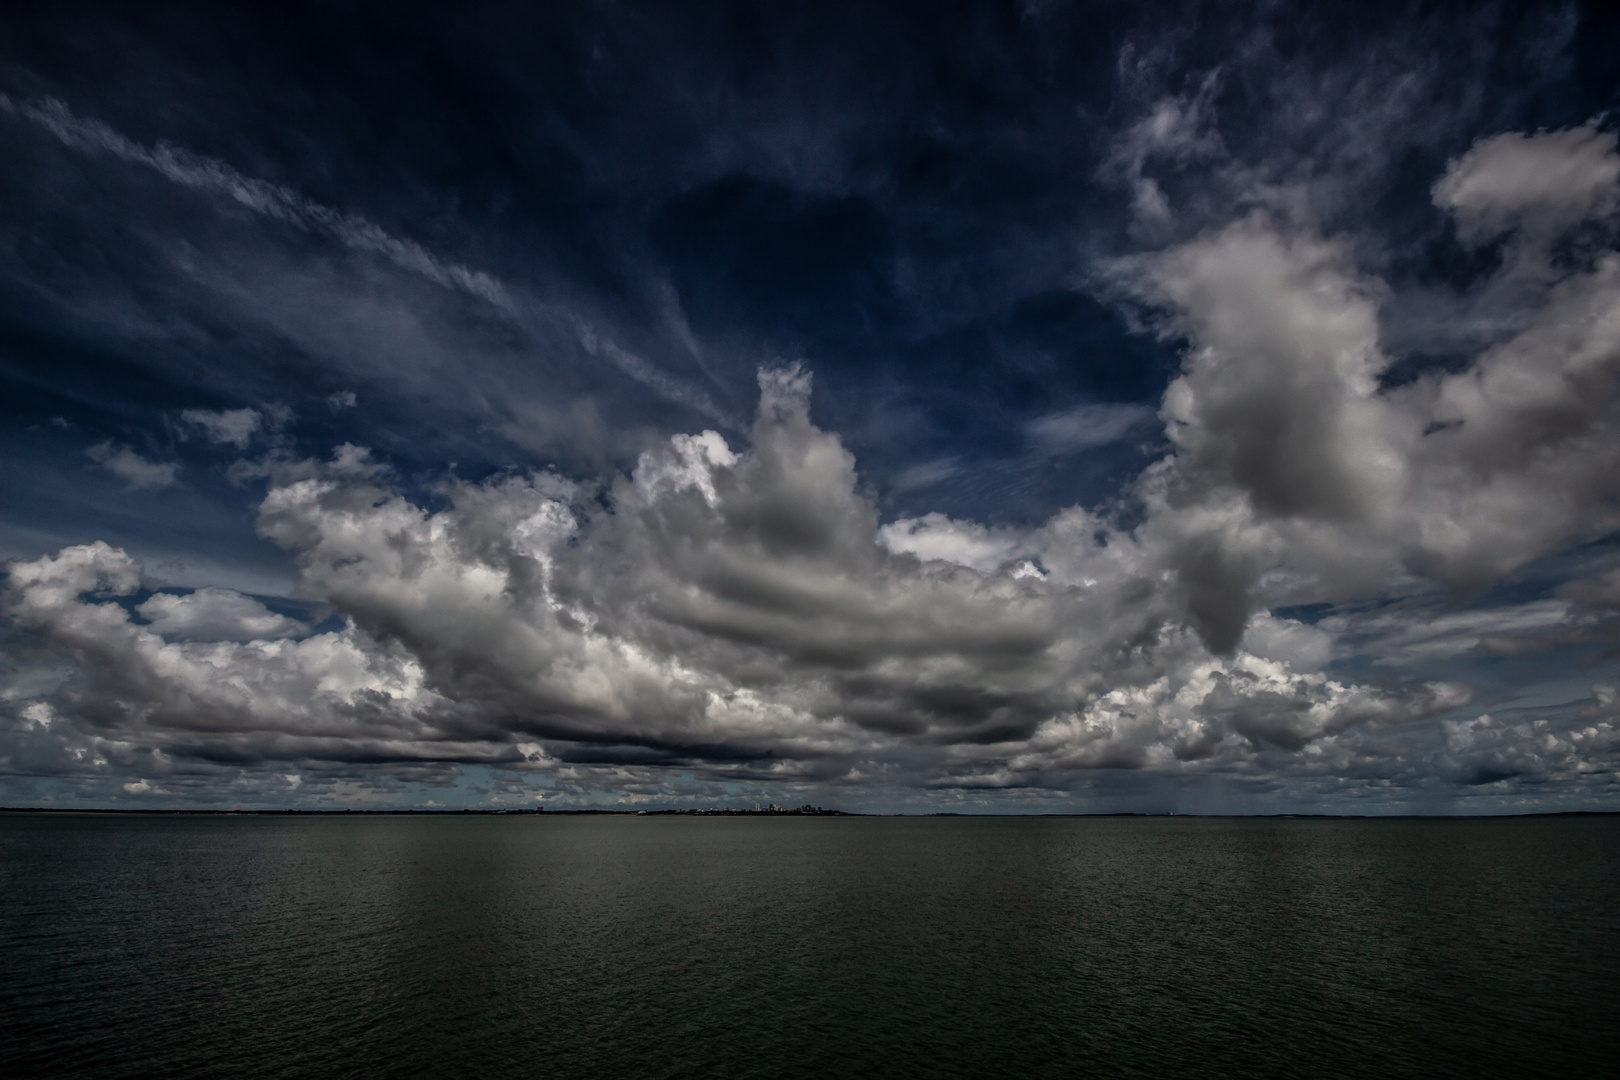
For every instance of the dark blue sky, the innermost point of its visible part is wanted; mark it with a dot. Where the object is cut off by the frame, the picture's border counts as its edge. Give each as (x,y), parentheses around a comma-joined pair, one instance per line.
(492,242)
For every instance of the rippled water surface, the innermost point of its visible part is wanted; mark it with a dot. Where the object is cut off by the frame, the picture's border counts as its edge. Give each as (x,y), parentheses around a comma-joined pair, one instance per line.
(610,947)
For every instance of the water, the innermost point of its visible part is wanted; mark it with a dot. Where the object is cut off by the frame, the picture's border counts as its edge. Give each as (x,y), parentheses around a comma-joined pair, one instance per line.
(563,947)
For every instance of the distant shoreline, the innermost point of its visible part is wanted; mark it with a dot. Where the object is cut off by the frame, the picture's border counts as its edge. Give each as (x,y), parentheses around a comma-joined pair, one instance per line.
(536,812)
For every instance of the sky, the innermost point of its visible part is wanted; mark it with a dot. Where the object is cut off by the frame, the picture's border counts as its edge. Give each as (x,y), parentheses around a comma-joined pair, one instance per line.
(982,408)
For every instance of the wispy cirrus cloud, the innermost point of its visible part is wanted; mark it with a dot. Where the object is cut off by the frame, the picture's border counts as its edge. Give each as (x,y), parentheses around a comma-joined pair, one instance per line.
(272,200)
(282,204)
(1089,425)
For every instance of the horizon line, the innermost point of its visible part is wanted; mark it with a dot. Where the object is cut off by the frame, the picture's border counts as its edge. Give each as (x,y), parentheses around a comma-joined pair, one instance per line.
(729,812)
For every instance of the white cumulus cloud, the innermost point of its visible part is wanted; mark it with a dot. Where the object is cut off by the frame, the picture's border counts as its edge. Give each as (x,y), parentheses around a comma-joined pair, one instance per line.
(137,472)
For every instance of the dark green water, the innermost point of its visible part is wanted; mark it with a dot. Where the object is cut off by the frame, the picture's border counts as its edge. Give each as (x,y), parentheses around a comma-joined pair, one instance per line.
(678,947)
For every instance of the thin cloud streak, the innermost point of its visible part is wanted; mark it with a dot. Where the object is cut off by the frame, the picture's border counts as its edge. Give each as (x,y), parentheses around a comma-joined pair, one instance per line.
(353,231)
(272,200)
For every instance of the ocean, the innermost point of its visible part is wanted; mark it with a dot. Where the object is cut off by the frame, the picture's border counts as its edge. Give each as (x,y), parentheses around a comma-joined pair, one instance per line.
(554,946)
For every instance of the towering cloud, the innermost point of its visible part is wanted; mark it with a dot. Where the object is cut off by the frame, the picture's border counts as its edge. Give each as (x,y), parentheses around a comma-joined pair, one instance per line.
(1292,456)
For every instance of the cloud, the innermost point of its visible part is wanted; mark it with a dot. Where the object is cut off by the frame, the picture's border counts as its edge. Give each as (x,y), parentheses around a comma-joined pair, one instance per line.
(210,614)
(597,344)
(736,611)
(1176,130)
(233,426)
(965,543)
(1542,183)
(1087,426)
(1487,750)
(689,463)
(1595,593)
(336,696)
(1550,198)
(927,474)
(522,314)
(1301,646)
(1234,714)
(130,467)
(1408,635)
(1296,473)
(738,614)
(272,200)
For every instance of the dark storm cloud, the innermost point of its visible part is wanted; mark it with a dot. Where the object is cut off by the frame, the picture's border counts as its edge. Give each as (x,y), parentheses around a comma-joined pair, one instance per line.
(1136,337)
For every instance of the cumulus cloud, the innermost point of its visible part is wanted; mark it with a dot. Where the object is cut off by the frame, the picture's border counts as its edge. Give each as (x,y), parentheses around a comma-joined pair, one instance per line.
(737,612)
(1296,473)
(1301,646)
(1542,183)
(1487,750)
(130,693)
(965,543)
(1232,713)
(689,462)
(210,614)
(134,470)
